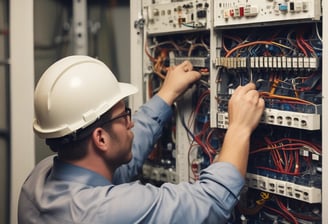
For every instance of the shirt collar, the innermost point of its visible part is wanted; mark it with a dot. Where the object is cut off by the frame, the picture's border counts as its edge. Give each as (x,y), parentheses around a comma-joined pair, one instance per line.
(69,172)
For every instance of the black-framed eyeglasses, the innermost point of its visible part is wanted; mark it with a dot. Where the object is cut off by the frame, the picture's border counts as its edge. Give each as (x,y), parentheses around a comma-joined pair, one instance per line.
(126,114)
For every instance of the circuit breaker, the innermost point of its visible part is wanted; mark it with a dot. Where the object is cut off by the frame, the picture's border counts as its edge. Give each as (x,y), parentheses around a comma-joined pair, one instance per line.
(276,44)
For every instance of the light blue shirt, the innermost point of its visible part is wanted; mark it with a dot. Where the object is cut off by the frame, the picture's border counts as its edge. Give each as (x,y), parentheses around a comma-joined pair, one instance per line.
(58,192)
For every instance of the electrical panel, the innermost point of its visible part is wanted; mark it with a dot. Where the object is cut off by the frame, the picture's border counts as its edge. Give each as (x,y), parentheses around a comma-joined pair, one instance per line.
(171,16)
(257,12)
(276,44)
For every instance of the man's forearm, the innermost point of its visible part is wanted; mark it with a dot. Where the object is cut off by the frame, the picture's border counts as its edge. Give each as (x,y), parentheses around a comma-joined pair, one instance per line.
(235,148)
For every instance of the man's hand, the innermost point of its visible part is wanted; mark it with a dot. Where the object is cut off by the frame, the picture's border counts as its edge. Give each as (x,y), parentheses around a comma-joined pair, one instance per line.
(178,79)
(245,107)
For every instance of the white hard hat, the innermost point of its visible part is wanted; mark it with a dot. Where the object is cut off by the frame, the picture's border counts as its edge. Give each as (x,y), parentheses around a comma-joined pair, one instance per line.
(73,93)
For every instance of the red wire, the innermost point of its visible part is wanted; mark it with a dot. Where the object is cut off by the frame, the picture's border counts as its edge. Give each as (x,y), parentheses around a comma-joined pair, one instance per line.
(300,45)
(297,144)
(286,211)
(276,211)
(308,46)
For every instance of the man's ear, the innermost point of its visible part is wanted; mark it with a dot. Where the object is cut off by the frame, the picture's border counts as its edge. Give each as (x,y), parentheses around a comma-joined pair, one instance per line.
(100,138)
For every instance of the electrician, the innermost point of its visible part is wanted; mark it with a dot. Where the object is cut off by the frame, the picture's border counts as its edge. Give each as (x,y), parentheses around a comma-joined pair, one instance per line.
(81,114)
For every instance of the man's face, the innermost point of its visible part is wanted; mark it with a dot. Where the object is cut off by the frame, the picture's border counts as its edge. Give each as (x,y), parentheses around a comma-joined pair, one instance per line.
(121,136)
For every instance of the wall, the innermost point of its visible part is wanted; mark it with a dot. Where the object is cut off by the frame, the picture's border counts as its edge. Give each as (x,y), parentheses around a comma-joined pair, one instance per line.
(52,39)
(4,141)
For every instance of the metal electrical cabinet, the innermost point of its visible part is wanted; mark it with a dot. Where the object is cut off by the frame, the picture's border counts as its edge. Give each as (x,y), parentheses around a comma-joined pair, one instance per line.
(278,45)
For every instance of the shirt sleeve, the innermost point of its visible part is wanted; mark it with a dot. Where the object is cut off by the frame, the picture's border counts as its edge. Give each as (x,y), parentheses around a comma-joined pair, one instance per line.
(209,200)
(148,125)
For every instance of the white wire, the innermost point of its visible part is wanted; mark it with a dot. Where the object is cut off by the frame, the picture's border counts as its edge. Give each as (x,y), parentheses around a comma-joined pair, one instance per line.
(317,31)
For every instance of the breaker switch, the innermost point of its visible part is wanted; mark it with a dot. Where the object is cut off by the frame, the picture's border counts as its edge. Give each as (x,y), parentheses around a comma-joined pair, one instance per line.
(232,12)
(305,6)
(298,6)
(291,7)
(241,11)
(226,14)
(237,13)
(251,11)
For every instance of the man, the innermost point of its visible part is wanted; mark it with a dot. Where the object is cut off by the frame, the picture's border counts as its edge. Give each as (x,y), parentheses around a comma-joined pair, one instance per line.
(80,112)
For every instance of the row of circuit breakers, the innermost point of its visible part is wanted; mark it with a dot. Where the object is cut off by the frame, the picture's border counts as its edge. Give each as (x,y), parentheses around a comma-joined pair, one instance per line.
(277,45)
(169,16)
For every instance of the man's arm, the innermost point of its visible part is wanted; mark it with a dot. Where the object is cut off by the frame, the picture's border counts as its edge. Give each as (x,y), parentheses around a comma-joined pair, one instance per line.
(151,116)
(245,110)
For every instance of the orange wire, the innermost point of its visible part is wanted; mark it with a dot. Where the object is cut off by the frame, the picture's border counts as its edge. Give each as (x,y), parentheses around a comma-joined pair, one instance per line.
(247,45)
(274,96)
